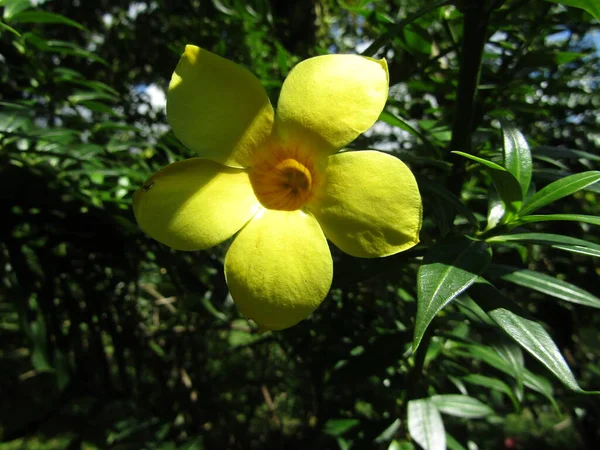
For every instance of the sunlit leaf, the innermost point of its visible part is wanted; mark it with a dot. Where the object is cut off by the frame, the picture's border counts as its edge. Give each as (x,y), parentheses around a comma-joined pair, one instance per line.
(557,241)
(506,184)
(591,6)
(593,220)
(545,284)
(461,406)
(425,425)
(447,270)
(558,190)
(517,157)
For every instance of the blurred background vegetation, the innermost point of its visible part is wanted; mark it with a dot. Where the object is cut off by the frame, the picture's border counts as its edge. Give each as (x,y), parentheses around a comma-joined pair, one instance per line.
(111,340)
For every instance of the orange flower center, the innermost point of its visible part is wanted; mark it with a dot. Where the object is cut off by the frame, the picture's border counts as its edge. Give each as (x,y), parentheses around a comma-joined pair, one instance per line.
(283,179)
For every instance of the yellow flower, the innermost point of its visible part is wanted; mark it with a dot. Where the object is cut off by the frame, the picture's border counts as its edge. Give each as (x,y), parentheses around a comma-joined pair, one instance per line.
(277,181)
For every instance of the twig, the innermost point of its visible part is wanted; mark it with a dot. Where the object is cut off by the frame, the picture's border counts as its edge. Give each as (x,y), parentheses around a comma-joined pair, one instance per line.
(270,404)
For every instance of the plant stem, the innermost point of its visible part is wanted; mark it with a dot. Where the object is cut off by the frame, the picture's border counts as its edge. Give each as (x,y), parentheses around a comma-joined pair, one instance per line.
(415,388)
(475,20)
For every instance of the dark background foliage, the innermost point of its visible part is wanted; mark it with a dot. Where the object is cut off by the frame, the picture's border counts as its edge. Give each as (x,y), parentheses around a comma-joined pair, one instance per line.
(111,340)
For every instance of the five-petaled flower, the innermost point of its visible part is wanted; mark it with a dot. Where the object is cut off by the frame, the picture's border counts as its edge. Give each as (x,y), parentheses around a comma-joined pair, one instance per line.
(277,180)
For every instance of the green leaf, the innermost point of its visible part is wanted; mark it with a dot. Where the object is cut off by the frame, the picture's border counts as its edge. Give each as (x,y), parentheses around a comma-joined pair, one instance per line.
(567,153)
(447,270)
(91,95)
(401,123)
(559,189)
(591,6)
(517,157)
(496,210)
(222,8)
(593,220)
(13,7)
(425,425)
(40,358)
(509,352)
(533,338)
(461,406)
(417,39)
(396,28)
(45,17)
(453,444)
(388,433)
(557,241)
(491,357)
(3,26)
(506,184)
(491,383)
(545,284)
(397,445)
(337,427)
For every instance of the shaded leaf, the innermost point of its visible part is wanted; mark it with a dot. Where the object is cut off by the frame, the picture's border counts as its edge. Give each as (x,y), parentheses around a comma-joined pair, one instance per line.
(3,26)
(337,427)
(448,197)
(45,17)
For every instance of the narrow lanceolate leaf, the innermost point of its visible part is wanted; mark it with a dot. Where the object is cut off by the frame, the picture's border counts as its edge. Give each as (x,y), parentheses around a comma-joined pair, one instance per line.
(453,444)
(592,220)
(461,406)
(489,356)
(45,17)
(559,189)
(536,340)
(401,123)
(517,156)
(3,26)
(544,283)
(557,241)
(492,383)
(591,6)
(447,270)
(425,425)
(506,184)
(563,153)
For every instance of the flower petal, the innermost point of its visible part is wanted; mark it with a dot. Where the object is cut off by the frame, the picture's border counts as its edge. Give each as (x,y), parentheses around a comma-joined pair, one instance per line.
(369,205)
(195,204)
(218,108)
(333,97)
(279,268)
